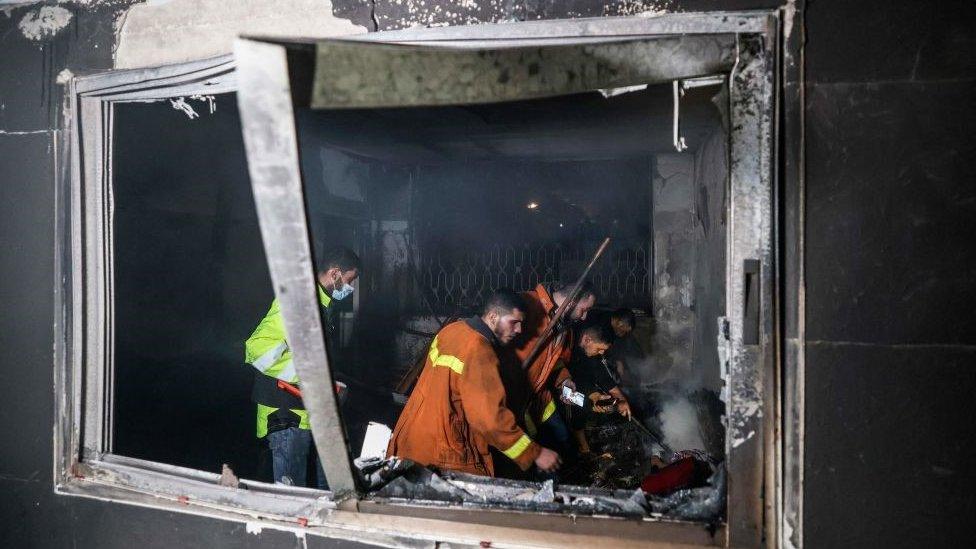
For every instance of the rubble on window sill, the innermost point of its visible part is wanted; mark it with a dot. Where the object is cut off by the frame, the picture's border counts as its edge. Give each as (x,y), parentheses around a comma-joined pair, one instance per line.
(415,484)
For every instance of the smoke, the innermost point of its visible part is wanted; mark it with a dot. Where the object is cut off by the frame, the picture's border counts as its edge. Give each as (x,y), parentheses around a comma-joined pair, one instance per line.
(679,425)
(678,407)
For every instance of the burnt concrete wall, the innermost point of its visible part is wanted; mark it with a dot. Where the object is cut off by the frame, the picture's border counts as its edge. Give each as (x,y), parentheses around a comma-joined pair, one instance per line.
(711,227)
(671,348)
(889,265)
(689,213)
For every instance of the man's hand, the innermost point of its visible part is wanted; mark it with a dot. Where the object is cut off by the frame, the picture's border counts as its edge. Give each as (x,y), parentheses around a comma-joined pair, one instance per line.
(622,405)
(624,408)
(568,383)
(596,397)
(548,461)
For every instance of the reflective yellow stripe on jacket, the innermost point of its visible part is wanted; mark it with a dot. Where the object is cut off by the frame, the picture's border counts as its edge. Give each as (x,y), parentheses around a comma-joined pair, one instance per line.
(437,359)
(550,409)
(515,450)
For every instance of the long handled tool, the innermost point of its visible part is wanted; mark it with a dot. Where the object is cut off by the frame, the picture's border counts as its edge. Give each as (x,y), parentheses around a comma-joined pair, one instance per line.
(294,391)
(567,305)
(650,434)
(640,426)
(290,389)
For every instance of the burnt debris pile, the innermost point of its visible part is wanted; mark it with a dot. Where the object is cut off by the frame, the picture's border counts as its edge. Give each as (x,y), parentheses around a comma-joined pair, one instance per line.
(416,484)
(631,471)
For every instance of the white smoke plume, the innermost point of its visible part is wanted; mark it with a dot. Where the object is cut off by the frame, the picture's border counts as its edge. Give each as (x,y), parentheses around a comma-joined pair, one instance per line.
(680,426)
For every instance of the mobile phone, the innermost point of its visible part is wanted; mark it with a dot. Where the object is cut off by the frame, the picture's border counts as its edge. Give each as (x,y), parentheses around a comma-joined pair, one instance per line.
(575,397)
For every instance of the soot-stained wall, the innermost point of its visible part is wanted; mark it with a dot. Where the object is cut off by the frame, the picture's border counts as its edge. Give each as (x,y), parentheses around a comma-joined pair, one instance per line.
(711,226)
(690,213)
(888,317)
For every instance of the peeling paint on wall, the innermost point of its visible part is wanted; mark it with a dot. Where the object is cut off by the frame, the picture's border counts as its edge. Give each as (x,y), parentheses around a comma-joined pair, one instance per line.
(159,33)
(90,3)
(64,77)
(401,14)
(44,22)
(646,8)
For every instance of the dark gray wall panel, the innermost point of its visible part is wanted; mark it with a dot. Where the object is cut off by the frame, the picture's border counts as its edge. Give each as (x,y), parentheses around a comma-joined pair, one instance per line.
(26,280)
(888,446)
(889,266)
(33,517)
(890,40)
(890,213)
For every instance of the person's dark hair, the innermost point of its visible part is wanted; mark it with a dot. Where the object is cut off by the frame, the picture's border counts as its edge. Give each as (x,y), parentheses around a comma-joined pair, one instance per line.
(503,301)
(586,290)
(624,315)
(599,332)
(341,257)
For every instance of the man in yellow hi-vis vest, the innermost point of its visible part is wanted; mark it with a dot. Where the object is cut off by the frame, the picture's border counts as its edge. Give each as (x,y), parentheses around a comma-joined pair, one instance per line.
(281,416)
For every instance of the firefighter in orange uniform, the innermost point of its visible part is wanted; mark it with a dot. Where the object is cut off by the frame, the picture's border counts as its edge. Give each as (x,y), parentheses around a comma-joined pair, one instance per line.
(458,408)
(549,371)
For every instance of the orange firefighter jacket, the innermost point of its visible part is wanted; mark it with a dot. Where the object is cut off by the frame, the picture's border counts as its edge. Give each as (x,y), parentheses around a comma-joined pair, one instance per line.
(458,407)
(552,359)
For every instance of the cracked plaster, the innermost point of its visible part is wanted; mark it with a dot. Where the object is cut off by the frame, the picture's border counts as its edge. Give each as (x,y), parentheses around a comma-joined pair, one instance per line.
(158,33)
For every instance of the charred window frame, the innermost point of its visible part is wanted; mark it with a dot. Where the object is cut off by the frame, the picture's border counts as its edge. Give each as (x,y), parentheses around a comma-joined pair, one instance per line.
(271,83)
(276,78)
(84,460)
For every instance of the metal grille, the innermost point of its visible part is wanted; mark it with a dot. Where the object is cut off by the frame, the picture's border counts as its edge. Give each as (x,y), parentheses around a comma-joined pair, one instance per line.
(623,277)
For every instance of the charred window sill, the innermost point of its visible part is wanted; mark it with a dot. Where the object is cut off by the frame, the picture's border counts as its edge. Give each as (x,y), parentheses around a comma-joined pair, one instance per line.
(420,486)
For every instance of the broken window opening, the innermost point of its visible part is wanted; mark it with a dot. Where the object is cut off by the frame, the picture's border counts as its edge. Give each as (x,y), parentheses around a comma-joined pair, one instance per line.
(468,199)
(385,87)
(150,228)
(190,278)
(85,446)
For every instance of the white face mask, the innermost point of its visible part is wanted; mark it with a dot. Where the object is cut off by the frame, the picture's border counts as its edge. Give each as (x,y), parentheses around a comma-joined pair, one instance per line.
(340,293)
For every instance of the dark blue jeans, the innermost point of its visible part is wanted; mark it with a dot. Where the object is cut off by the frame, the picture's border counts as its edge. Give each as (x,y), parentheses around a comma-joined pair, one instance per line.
(554,434)
(289,454)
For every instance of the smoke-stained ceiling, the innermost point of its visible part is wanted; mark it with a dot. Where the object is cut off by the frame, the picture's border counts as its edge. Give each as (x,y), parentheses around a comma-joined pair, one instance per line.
(577,127)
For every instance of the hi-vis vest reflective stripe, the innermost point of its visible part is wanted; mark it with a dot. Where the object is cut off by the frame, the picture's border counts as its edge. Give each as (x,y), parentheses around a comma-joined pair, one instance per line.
(261,430)
(450,361)
(267,350)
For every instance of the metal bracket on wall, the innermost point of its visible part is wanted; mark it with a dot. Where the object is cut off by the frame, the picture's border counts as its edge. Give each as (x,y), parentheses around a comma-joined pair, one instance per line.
(679,91)
(679,142)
